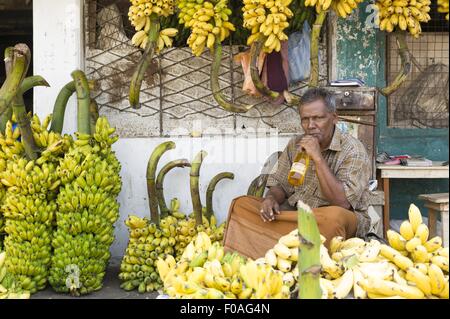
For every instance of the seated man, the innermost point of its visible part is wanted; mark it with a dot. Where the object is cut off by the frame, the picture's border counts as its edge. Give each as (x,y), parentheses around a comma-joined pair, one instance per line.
(337,180)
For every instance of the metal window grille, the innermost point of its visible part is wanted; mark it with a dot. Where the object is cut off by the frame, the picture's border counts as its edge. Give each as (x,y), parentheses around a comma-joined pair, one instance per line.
(422,100)
(178,93)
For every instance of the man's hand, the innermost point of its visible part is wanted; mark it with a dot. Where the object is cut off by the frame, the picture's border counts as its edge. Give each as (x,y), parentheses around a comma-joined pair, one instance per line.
(311,146)
(269,208)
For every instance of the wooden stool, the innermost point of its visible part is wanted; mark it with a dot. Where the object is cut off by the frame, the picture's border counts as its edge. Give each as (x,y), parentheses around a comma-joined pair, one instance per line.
(437,203)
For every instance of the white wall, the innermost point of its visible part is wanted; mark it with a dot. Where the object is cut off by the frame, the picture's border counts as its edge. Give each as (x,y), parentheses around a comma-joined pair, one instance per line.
(58,50)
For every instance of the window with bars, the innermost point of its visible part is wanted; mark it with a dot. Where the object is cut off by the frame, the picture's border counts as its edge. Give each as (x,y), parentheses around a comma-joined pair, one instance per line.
(177,93)
(422,100)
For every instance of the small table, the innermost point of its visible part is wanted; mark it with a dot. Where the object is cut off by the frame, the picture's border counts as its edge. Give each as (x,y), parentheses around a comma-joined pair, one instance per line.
(437,204)
(386,172)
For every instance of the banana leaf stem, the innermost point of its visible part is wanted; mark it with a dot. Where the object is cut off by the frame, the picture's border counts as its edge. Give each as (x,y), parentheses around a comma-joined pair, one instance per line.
(315,34)
(164,211)
(258,185)
(151,172)
(6,116)
(144,63)
(23,121)
(59,108)
(83,98)
(11,86)
(308,264)
(260,86)
(405,58)
(194,185)
(209,192)
(32,81)
(215,87)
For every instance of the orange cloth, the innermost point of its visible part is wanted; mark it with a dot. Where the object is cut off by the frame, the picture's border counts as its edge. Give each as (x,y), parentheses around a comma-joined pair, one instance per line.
(331,220)
(245,59)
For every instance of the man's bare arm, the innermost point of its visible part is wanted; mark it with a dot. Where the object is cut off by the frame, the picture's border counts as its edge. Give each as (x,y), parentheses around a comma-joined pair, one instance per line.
(332,189)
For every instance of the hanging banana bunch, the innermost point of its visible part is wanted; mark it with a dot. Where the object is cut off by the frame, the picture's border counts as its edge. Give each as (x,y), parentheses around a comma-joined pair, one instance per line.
(267,21)
(145,16)
(443,7)
(398,17)
(404,15)
(207,20)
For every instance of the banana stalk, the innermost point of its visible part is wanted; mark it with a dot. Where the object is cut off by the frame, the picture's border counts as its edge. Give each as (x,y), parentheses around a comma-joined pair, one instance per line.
(29,145)
(11,86)
(93,114)
(151,172)
(308,264)
(164,211)
(32,81)
(405,58)
(209,192)
(59,107)
(315,34)
(254,54)
(82,89)
(27,84)
(20,62)
(144,62)
(6,116)
(258,185)
(194,181)
(215,87)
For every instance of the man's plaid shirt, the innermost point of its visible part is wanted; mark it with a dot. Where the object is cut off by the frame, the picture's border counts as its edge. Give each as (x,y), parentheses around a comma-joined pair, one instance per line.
(347,159)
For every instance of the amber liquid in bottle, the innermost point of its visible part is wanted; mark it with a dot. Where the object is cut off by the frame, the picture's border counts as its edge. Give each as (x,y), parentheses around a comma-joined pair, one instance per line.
(298,170)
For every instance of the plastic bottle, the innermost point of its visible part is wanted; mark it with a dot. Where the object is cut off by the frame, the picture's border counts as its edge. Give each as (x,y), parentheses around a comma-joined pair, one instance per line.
(298,170)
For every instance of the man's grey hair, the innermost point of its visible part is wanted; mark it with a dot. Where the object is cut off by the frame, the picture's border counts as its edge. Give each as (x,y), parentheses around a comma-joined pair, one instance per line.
(314,94)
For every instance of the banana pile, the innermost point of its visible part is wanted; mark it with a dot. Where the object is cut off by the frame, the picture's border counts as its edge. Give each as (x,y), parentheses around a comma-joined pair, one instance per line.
(443,7)
(409,268)
(87,211)
(403,15)
(140,13)
(29,207)
(208,21)
(8,287)
(149,242)
(204,271)
(267,20)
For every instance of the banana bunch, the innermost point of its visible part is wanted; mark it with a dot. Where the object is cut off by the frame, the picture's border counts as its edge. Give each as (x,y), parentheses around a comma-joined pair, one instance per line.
(403,15)
(165,39)
(9,289)
(267,20)
(29,208)
(205,272)
(443,7)
(87,211)
(140,13)
(187,229)
(208,21)
(147,243)
(9,147)
(382,271)
(343,8)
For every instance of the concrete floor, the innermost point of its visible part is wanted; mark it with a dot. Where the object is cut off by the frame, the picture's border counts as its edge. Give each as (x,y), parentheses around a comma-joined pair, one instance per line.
(111,288)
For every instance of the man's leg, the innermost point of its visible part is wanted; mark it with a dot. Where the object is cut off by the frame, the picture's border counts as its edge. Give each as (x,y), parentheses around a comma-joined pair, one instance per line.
(335,221)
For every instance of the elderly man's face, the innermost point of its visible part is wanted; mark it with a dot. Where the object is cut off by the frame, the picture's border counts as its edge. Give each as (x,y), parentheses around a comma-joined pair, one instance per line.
(317,121)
